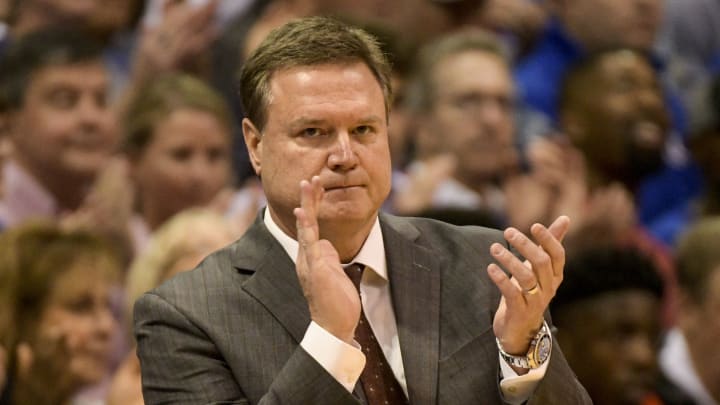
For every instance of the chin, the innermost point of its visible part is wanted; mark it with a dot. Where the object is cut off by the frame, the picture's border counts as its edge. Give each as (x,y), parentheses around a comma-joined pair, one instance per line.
(89,372)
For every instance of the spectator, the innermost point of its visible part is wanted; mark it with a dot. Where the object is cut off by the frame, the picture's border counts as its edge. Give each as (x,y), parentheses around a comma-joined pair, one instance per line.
(56,323)
(61,128)
(689,357)
(583,27)
(466,155)
(608,316)
(177,139)
(614,140)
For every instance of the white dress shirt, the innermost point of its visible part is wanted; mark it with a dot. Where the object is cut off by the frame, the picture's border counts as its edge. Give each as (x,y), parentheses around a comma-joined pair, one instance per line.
(345,362)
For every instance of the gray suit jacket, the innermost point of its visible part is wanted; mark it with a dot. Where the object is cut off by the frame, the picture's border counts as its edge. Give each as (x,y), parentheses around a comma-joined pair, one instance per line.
(229,331)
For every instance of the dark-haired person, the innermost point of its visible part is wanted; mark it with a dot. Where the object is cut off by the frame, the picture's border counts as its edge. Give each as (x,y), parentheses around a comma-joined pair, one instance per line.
(607,312)
(54,85)
(276,317)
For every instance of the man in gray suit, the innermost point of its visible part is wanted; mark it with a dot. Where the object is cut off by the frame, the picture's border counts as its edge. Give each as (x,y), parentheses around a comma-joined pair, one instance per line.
(276,317)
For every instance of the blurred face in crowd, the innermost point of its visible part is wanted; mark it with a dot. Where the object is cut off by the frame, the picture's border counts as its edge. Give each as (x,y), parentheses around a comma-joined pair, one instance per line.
(100,16)
(78,314)
(614,355)
(599,24)
(185,164)
(622,125)
(330,121)
(472,115)
(65,126)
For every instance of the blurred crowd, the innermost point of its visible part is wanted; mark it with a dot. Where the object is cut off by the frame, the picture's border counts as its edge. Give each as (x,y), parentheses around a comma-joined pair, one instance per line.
(122,162)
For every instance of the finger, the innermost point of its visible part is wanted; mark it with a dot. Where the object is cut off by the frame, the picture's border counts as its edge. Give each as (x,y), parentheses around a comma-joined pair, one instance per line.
(507,288)
(522,273)
(554,249)
(559,227)
(306,221)
(318,193)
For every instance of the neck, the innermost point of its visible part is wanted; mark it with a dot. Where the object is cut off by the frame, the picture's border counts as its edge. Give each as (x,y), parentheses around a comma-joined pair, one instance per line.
(69,190)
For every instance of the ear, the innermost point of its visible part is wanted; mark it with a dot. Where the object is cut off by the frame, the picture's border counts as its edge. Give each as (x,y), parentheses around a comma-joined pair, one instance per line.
(253,142)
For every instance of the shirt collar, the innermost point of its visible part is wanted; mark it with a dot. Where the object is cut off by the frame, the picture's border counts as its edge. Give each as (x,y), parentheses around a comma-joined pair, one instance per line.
(371,254)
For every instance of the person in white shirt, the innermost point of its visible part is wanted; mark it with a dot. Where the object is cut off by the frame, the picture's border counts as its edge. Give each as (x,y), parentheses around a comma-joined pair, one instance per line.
(689,355)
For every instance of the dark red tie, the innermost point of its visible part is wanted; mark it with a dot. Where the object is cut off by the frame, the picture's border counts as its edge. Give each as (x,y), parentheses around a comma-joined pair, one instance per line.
(378,381)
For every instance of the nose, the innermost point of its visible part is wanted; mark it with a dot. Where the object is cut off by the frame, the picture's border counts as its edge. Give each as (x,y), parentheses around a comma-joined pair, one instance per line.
(91,112)
(342,155)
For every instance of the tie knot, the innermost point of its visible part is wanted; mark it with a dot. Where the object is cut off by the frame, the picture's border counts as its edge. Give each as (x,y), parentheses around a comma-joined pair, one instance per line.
(355,271)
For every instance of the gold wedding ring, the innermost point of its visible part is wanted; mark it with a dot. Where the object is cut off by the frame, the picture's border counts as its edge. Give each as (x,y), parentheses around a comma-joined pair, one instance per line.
(532,291)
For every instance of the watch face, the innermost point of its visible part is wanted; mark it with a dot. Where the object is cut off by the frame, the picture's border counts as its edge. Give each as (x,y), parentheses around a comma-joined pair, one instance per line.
(543,349)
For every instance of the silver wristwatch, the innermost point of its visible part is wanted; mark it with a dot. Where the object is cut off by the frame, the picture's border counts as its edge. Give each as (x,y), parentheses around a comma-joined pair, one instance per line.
(537,354)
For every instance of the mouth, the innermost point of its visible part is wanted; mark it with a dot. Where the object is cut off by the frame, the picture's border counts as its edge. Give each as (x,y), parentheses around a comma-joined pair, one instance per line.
(648,134)
(343,188)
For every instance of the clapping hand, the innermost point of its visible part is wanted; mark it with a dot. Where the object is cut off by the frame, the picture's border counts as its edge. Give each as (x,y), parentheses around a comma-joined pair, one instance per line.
(526,295)
(332,298)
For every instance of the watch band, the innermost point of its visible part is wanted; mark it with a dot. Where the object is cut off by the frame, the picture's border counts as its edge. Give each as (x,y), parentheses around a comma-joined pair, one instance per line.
(538,352)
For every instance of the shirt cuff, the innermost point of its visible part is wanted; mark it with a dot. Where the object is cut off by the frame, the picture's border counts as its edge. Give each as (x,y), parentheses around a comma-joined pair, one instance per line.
(516,389)
(342,361)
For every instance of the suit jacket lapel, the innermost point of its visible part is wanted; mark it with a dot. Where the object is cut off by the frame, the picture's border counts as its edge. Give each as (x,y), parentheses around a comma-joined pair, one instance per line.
(414,273)
(274,282)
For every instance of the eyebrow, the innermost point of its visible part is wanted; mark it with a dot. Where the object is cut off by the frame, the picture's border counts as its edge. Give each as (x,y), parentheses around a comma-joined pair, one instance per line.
(310,122)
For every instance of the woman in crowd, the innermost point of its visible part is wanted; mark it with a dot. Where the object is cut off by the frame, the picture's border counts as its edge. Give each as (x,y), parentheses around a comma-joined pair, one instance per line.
(56,322)
(177,140)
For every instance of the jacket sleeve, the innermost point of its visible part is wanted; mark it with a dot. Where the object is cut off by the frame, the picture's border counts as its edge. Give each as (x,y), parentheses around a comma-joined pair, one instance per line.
(181,365)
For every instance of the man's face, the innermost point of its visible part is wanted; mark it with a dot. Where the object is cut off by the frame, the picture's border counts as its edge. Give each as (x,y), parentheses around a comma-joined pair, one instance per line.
(624,122)
(614,23)
(614,355)
(472,114)
(329,121)
(65,125)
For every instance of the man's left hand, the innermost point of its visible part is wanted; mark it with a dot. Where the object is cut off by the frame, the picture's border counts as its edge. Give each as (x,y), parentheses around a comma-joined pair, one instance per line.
(526,295)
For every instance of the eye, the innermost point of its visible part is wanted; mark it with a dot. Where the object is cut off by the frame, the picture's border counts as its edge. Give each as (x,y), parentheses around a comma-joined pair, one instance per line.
(80,305)
(63,98)
(311,132)
(181,154)
(216,154)
(363,130)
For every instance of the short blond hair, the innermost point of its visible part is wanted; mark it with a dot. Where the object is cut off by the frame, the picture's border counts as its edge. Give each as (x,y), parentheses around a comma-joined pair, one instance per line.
(182,235)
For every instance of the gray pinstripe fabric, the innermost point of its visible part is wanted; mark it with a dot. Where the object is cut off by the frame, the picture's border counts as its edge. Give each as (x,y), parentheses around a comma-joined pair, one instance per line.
(229,331)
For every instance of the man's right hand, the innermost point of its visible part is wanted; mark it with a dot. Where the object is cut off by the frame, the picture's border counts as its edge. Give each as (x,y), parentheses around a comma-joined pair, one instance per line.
(332,298)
